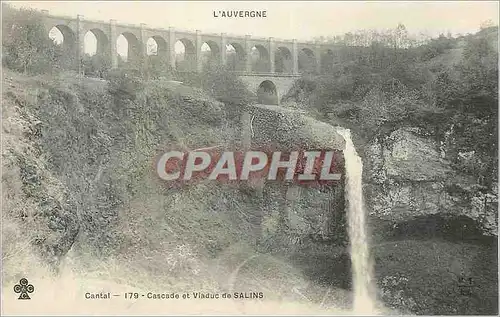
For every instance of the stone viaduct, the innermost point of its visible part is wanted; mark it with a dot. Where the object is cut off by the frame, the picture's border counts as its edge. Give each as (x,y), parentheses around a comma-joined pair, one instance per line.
(270,64)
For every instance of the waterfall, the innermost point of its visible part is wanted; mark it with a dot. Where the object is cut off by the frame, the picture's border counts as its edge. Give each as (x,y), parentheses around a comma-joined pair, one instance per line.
(361,264)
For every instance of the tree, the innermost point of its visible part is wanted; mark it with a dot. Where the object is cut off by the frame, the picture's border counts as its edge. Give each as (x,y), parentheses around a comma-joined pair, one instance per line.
(26,45)
(157,66)
(486,24)
(469,93)
(226,87)
(152,48)
(96,65)
(400,36)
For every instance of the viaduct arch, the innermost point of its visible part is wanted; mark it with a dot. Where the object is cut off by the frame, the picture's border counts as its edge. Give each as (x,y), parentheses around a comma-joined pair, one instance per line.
(261,62)
(240,53)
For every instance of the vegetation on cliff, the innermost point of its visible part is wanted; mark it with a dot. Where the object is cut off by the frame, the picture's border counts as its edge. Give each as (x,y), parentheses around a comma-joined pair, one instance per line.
(448,87)
(83,188)
(79,180)
(424,117)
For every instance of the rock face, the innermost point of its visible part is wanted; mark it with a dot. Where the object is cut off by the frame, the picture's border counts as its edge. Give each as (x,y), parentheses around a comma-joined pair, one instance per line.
(316,213)
(406,177)
(289,128)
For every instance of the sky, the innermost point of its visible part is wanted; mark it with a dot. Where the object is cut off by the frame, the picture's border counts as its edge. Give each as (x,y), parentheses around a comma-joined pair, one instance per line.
(300,20)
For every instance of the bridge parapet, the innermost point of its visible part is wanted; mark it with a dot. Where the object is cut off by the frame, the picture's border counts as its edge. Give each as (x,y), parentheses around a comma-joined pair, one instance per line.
(268,74)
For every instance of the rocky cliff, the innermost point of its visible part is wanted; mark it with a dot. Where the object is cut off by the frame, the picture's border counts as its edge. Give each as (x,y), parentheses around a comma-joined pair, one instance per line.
(298,212)
(407,176)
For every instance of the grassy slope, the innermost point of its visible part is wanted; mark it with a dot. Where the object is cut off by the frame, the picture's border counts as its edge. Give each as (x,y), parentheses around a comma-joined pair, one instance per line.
(150,201)
(22,223)
(168,240)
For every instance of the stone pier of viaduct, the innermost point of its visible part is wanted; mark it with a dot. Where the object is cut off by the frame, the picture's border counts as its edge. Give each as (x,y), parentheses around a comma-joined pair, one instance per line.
(279,62)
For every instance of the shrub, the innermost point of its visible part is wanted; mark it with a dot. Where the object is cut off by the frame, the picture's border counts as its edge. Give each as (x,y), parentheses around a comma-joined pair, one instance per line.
(222,84)
(26,46)
(225,86)
(157,66)
(96,65)
(124,83)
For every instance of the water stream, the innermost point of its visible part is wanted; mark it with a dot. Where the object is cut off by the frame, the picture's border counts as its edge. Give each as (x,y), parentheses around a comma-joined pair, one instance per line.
(361,263)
